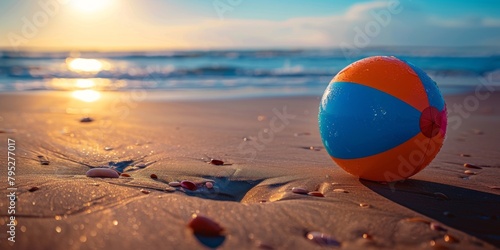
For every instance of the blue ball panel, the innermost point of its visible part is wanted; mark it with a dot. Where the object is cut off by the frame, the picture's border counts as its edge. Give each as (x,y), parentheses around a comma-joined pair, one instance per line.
(357,121)
(431,88)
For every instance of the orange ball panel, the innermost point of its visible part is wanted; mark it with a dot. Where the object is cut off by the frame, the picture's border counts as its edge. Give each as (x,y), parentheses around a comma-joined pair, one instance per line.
(389,75)
(398,163)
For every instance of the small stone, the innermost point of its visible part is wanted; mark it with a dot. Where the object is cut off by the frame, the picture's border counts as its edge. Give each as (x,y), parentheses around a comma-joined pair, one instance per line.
(205,226)
(469,172)
(450,238)
(316,193)
(322,239)
(108,148)
(86,119)
(262,201)
(43,160)
(438,246)
(465,155)
(141,165)
(170,189)
(314,148)
(189,185)
(174,184)
(299,190)
(153,176)
(367,236)
(467,165)
(125,175)
(364,205)
(33,189)
(102,173)
(340,190)
(216,162)
(144,191)
(436,227)
(209,185)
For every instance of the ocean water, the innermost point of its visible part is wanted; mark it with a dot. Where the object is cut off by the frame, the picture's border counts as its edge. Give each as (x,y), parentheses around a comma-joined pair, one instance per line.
(230,73)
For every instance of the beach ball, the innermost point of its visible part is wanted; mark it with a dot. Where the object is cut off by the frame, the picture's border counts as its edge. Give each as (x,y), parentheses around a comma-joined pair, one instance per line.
(382,119)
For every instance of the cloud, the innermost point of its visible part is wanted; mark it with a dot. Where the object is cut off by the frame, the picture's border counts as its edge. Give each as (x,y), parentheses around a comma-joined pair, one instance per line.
(409,27)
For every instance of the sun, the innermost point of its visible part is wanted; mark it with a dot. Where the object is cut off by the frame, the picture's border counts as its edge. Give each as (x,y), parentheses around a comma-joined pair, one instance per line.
(91,5)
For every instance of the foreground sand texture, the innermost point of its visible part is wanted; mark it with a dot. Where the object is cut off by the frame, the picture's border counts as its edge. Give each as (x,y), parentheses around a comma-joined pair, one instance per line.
(252,197)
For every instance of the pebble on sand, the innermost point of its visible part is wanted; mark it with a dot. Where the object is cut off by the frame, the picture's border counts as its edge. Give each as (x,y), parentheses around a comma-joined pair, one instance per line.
(322,239)
(467,165)
(33,189)
(153,176)
(102,173)
(316,193)
(470,172)
(144,191)
(216,162)
(86,119)
(436,227)
(174,184)
(189,185)
(340,190)
(205,226)
(43,160)
(209,185)
(108,148)
(364,205)
(465,155)
(367,236)
(125,175)
(299,190)
(450,238)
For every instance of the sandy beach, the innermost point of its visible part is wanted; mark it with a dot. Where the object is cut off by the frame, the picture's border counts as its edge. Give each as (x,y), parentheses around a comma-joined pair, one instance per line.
(268,146)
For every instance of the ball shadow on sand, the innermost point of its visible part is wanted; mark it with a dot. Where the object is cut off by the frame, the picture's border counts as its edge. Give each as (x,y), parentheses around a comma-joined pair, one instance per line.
(471,211)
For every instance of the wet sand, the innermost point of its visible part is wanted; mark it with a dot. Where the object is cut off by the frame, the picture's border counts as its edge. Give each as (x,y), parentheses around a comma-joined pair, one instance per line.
(265,155)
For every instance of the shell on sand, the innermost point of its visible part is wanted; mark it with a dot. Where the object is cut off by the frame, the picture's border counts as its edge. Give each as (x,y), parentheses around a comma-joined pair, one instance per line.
(322,239)
(102,173)
(188,185)
(299,190)
(205,226)
(316,193)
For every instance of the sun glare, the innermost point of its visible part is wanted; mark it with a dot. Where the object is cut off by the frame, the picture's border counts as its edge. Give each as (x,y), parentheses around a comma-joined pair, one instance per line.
(85,83)
(87,95)
(85,65)
(91,5)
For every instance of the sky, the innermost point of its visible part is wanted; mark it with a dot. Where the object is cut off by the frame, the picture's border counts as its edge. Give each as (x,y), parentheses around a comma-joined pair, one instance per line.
(232,24)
